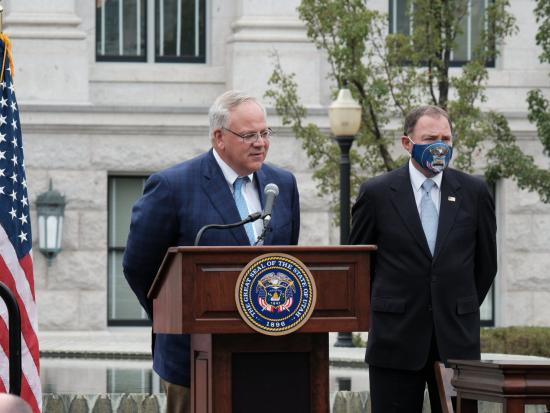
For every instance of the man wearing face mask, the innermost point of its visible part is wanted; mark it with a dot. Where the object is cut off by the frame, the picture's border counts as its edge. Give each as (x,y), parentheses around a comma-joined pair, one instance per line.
(435,229)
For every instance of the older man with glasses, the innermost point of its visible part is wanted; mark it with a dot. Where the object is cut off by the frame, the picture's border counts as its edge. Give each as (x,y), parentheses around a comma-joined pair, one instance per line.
(220,186)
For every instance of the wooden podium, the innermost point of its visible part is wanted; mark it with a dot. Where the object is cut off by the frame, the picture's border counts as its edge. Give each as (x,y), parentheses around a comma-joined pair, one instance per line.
(235,369)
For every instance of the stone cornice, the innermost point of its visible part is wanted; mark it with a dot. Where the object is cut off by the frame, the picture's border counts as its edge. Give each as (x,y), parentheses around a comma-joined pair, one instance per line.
(111,130)
(268,29)
(44,26)
(170,120)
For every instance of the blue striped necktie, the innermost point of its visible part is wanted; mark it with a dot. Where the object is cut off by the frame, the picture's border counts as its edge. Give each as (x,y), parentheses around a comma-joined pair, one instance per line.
(428,214)
(242,207)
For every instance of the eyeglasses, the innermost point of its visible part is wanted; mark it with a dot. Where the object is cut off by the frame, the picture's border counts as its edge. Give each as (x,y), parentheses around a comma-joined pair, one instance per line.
(253,136)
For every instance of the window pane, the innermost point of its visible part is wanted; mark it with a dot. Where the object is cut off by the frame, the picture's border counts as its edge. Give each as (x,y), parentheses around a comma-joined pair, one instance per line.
(486,311)
(478,22)
(123,193)
(399,20)
(123,305)
(120,29)
(472,26)
(180,30)
(120,380)
(402,13)
(460,51)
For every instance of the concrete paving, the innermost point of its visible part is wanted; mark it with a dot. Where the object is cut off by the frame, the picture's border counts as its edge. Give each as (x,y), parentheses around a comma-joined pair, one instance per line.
(115,342)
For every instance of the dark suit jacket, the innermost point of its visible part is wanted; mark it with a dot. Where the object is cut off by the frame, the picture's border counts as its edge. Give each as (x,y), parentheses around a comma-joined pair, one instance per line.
(412,293)
(175,204)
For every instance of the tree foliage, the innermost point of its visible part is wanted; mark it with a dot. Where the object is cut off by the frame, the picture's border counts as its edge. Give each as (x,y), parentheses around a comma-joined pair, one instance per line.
(506,158)
(390,73)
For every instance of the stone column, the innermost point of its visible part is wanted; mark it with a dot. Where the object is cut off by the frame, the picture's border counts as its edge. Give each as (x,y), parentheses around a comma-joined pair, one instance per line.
(262,28)
(49,51)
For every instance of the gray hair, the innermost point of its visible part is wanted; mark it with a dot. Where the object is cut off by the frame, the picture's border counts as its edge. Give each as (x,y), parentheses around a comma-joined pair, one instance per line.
(417,113)
(219,112)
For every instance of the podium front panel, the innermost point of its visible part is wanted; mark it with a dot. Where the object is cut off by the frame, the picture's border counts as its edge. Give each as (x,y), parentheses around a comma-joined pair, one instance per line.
(194,289)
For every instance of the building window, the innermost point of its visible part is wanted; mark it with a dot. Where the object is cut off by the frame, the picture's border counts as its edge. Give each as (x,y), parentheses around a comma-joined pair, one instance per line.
(123,306)
(151,31)
(472,27)
(121,30)
(487,308)
(180,31)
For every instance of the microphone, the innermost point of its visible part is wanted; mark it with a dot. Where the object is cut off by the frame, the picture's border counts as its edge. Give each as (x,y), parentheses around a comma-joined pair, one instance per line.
(251,218)
(270,191)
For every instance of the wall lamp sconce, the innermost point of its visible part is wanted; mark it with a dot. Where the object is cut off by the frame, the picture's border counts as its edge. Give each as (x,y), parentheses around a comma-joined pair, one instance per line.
(50,207)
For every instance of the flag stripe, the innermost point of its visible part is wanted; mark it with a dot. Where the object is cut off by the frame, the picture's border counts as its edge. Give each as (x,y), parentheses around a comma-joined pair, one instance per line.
(27,329)
(13,268)
(26,265)
(28,391)
(28,367)
(4,344)
(30,376)
(29,359)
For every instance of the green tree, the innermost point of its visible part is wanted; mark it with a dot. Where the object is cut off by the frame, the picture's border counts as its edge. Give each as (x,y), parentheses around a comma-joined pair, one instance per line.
(506,159)
(389,74)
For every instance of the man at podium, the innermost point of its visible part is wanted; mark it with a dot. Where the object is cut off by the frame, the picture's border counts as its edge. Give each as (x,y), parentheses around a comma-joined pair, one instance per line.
(222,186)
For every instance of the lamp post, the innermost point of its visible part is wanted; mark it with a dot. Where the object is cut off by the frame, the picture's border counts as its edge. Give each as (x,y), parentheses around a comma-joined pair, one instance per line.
(345,120)
(50,207)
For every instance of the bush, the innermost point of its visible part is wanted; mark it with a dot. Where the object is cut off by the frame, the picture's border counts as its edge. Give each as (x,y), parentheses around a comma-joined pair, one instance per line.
(357,340)
(532,341)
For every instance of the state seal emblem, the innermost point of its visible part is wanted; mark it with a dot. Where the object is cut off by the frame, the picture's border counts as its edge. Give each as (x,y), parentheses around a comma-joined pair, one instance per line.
(275,294)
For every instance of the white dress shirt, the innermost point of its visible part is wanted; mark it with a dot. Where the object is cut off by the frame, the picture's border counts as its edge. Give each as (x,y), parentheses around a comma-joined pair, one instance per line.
(417,179)
(249,190)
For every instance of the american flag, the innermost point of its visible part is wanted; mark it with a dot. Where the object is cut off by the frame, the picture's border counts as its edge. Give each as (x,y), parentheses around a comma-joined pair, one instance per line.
(15,240)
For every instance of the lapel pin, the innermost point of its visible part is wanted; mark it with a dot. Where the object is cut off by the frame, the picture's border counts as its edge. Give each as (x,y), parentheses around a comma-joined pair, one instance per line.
(451,199)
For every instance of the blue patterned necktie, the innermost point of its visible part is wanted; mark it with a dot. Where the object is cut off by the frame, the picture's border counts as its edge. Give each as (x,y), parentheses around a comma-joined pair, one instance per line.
(428,214)
(241,205)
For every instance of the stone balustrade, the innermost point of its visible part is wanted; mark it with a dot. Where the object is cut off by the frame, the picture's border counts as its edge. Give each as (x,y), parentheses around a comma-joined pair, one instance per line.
(341,402)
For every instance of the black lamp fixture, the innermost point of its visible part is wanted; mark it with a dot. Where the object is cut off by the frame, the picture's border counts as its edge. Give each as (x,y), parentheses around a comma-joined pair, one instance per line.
(345,121)
(50,207)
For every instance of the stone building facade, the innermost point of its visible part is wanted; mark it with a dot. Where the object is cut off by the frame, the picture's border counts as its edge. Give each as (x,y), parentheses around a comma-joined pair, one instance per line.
(93,125)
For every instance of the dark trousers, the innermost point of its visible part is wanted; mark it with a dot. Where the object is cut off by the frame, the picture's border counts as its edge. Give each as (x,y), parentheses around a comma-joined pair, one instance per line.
(402,391)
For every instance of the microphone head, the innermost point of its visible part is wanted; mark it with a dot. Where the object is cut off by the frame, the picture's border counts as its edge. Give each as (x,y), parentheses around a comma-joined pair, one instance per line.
(271,189)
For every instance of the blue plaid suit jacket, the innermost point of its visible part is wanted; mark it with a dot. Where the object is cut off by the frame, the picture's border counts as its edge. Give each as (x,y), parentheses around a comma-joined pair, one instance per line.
(176,203)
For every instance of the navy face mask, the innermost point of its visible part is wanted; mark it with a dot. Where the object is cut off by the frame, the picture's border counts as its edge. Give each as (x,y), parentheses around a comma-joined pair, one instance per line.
(433,157)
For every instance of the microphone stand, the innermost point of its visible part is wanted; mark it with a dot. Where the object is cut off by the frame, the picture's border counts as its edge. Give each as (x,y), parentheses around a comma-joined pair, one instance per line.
(260,241)
(251,218)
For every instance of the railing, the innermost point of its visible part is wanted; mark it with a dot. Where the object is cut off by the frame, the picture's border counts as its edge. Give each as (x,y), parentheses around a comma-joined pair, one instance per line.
(341,402)
(14,327)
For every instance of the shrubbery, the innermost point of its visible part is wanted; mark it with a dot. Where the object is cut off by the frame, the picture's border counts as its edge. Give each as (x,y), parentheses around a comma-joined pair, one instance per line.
(532,341)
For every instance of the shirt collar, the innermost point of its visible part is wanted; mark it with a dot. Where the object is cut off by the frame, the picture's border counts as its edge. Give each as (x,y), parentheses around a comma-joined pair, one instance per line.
(418,178)
(229,174)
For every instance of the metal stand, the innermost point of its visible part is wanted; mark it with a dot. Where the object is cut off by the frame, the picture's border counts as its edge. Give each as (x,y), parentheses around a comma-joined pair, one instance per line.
(344,142)
(14,339)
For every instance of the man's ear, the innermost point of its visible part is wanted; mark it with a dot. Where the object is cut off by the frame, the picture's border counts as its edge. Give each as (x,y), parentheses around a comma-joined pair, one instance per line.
(407,143)
(217,140)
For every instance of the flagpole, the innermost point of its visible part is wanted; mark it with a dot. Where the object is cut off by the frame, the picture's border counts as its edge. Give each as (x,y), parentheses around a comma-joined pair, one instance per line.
(1,18)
